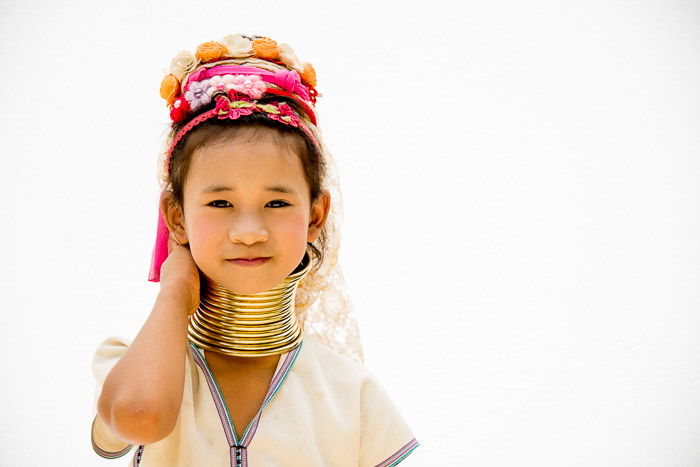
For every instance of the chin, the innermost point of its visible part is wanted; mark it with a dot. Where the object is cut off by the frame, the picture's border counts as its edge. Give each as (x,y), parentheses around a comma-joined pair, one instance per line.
(245,289)
(248,287)
(248,282)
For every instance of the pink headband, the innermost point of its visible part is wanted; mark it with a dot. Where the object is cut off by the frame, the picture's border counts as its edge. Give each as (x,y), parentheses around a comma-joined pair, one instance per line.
(289,80)
(235,89)
(234,105)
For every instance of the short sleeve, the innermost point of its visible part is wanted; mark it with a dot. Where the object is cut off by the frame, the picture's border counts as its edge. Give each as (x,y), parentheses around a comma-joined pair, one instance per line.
(385,437)
(104,442)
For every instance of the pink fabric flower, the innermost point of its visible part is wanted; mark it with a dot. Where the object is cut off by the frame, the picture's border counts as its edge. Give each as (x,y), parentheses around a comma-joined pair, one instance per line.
(234,109)
(286,115)
(235,113)
(250,85)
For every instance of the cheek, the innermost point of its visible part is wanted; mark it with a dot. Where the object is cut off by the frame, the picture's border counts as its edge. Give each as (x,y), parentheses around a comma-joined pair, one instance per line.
(202,228)
(294,227)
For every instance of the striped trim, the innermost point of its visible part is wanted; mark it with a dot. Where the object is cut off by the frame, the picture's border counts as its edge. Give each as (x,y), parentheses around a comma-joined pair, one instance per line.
(238,453)
(276,383)
(136,461)
(102,452)
(222,409)
(400,455)
(110,454)
(232,453)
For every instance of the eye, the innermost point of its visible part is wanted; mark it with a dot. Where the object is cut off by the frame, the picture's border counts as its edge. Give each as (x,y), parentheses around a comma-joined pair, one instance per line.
(278,202)
(213,203)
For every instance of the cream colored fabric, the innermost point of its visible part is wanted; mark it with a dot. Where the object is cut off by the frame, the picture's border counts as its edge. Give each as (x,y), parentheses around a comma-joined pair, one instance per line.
(328,411)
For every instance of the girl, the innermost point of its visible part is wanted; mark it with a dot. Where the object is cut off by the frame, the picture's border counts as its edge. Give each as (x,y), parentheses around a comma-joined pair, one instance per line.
(249,356)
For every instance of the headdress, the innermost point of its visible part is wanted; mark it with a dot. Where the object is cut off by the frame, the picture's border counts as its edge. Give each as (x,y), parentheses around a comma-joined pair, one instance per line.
(238,76)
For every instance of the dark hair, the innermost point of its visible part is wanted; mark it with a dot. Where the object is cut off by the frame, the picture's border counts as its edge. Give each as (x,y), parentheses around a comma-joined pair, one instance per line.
(216,130)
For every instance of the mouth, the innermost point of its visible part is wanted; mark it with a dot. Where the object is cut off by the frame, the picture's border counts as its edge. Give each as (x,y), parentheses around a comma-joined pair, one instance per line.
(249,261)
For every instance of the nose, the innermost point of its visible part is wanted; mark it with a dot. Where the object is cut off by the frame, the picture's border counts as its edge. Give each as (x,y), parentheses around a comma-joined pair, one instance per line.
(248,228)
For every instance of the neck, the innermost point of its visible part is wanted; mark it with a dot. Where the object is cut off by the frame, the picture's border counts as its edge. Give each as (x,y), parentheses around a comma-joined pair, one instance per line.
(248,325)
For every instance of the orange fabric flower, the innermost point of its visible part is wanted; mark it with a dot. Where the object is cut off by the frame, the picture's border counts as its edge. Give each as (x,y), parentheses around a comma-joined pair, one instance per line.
(170,89)
(266,48)
(209,51)
(308,76)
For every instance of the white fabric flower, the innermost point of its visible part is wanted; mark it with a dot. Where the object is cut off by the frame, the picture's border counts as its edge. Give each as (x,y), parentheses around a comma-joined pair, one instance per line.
(184,63)
(289,58)
(238,46)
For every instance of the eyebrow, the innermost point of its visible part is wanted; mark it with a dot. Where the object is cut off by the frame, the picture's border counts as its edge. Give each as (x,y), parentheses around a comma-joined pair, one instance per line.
(220,188)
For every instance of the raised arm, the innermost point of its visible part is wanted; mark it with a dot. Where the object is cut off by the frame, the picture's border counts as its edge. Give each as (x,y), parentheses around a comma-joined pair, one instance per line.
(141,396)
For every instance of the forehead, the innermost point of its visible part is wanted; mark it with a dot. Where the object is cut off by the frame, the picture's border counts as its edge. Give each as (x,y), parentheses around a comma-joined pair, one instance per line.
(247,161)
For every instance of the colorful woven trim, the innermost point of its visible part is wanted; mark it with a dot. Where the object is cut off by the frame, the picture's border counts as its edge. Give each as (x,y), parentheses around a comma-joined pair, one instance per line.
(138,454)
(239,448)
(233,105)
(399,455)
(103,452)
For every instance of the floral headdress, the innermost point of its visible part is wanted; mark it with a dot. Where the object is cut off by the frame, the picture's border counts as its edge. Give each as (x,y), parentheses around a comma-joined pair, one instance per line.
(219,72)
(238,76)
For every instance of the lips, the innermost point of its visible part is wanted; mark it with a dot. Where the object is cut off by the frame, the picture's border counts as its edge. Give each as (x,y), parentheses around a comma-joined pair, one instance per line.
(249,261)
(248,258)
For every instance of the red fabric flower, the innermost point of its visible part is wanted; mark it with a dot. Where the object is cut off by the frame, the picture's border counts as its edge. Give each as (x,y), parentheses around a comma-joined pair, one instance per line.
(222,105)
(180,110)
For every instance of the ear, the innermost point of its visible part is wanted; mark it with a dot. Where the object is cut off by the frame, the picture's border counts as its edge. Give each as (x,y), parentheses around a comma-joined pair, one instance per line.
(174,217)
(319,213)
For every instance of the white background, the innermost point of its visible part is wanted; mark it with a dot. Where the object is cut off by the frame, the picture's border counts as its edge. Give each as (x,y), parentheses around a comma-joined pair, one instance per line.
(521,233)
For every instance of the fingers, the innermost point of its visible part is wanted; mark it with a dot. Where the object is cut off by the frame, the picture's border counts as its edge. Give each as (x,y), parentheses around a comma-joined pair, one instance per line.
(172,243)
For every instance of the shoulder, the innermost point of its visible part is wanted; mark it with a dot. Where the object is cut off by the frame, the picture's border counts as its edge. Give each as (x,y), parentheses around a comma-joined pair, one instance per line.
(384,436)
(108,352)
(319,360)
(322,361)
(323,367)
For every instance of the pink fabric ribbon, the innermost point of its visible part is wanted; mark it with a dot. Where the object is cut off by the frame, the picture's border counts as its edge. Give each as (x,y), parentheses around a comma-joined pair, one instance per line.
(160,249)
(288,80)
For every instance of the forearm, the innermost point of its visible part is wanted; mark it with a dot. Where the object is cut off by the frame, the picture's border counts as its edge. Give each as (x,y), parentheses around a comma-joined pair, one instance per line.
(141,396)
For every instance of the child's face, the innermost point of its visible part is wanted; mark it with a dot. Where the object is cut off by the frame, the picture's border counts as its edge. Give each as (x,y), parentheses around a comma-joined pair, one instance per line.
(233,209)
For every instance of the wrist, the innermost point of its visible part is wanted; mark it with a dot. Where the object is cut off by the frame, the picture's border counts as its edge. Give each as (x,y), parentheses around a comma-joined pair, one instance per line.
(178,298)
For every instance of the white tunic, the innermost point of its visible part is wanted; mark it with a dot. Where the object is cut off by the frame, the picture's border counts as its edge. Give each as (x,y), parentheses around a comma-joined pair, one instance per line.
(322,409)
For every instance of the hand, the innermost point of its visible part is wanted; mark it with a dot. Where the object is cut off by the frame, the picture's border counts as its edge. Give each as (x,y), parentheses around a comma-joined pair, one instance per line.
(179,274)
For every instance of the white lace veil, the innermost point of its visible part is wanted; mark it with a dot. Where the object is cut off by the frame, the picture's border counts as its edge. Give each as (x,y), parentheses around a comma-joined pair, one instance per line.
(322,303)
